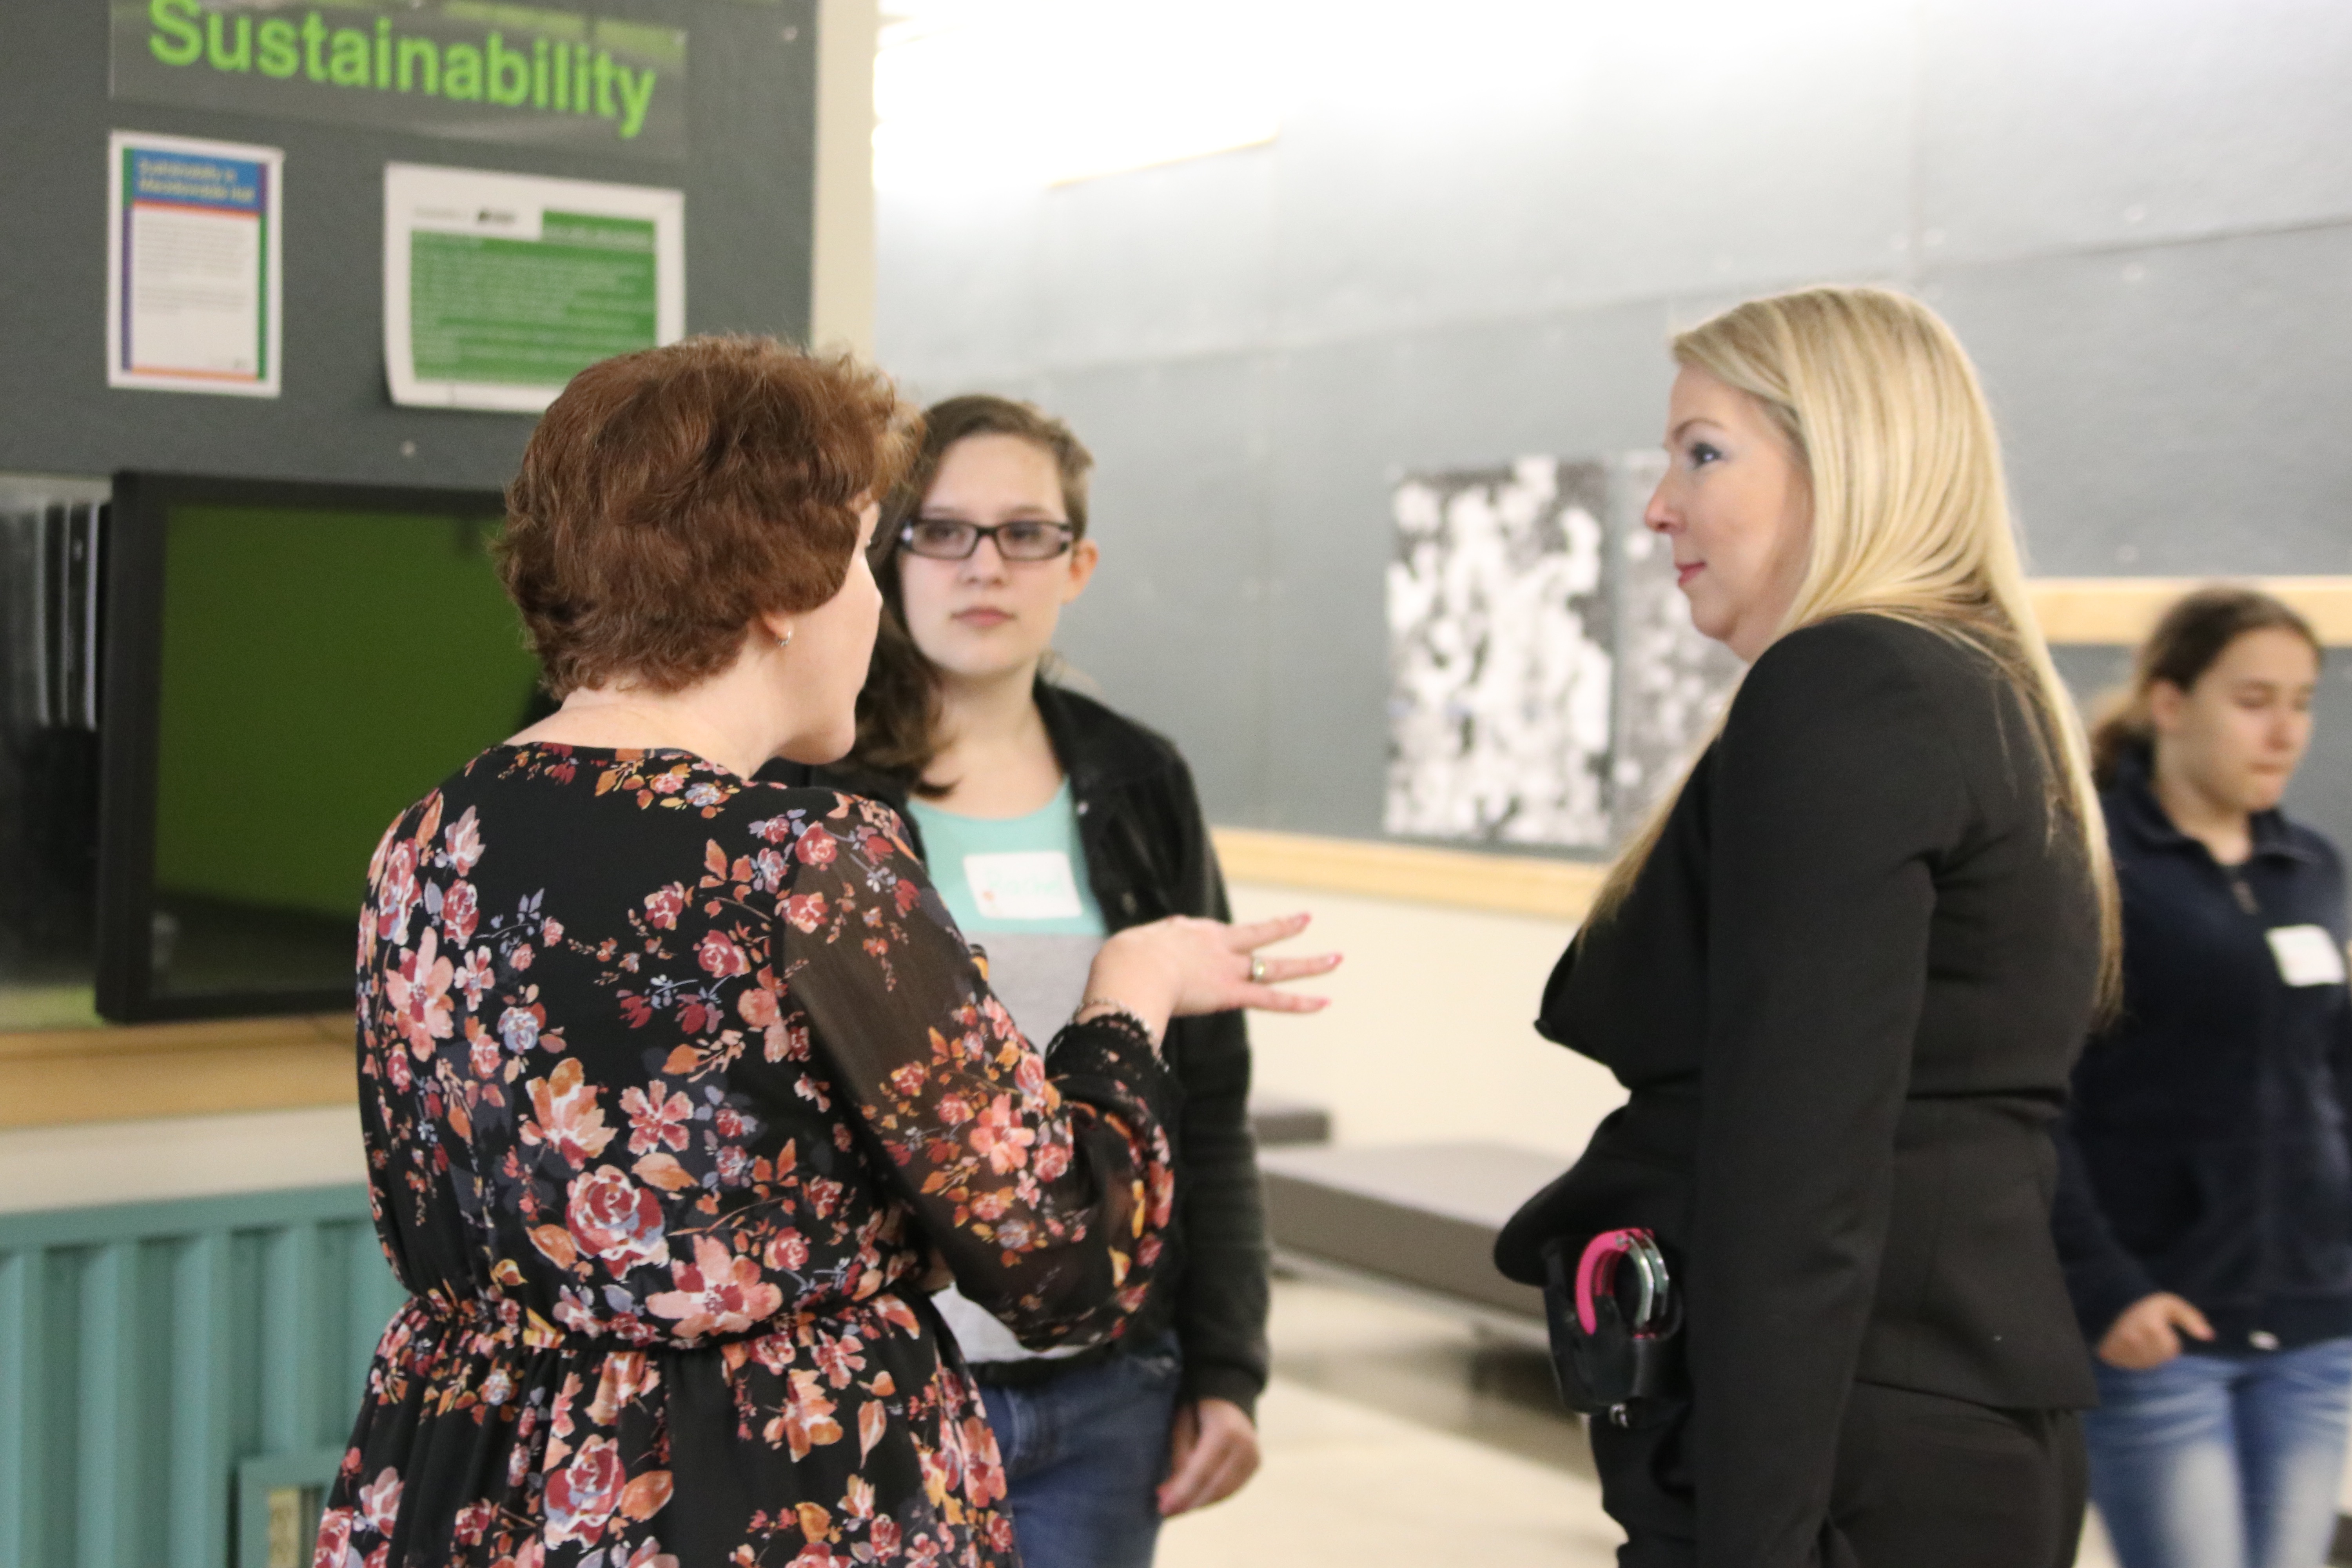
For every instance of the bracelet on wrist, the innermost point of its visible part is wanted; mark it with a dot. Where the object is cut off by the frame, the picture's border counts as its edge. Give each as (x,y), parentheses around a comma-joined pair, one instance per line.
(1105,1009)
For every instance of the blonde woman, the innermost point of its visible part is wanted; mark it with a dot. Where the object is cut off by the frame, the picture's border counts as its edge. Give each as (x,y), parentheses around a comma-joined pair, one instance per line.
(1844,976)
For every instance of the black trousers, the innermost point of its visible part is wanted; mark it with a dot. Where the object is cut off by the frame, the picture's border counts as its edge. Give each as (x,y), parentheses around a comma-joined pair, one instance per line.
(1922,1481)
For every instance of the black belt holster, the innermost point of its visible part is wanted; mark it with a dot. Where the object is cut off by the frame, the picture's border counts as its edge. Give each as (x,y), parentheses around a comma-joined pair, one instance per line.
(1607,1352)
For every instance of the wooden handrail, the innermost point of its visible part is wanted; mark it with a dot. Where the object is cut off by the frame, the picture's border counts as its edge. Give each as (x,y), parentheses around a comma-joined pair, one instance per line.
(151,1040)
(52,1077)
(1462,878)
(2116,612)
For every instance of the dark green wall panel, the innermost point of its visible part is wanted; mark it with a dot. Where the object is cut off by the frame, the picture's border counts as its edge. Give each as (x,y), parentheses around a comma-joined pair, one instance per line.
(748,182)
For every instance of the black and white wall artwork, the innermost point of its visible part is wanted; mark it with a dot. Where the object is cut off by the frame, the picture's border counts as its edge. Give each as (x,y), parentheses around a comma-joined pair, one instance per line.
(1501,673)
(1547,687)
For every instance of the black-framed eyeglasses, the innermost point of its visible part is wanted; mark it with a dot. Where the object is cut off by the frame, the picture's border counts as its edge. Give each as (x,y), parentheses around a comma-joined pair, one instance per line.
(1023,539)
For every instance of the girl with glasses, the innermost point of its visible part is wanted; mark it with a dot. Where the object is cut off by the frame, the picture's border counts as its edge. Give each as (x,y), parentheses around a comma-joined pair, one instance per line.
(1049,822)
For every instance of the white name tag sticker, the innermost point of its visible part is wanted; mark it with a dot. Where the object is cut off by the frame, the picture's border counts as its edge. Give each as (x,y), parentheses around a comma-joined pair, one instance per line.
(1033,885)
(2307,955)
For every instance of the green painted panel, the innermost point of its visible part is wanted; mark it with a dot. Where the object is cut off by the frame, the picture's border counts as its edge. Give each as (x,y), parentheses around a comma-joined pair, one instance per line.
(399,658)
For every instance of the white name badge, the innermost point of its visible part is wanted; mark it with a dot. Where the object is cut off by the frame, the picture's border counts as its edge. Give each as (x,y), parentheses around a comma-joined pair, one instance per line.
(1032,885)
(2307,955)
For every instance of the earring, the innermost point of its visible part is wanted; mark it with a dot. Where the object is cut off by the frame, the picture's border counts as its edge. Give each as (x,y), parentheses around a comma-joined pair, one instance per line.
(785,640)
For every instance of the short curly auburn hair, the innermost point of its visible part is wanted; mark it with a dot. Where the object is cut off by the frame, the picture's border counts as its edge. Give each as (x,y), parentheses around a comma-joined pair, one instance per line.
(668,497)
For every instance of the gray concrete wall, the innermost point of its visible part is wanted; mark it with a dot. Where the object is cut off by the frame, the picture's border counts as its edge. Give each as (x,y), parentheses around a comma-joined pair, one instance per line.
(1481,221)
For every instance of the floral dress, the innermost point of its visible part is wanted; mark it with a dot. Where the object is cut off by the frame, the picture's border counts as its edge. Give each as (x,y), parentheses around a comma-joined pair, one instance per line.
(675,1085)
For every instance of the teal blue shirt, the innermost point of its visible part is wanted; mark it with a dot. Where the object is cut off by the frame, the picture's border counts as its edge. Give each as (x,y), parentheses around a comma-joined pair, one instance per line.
(1024,875)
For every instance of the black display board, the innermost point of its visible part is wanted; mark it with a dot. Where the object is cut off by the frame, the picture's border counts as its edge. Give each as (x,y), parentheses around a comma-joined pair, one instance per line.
(747,175)
(285,666)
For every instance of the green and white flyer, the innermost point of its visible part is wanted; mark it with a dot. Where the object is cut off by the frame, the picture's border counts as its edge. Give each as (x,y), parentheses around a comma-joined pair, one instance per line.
(499,287)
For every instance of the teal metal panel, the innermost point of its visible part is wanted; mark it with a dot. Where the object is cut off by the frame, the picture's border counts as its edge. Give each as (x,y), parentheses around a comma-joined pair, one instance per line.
(151,1354)
(23,1433)
(183,1216)
(290,1310)
(56,1364)
(201,1362)
(108,1374)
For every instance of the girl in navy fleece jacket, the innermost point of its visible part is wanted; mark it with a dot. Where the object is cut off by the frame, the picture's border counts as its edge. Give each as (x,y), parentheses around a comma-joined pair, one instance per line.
(2205,1204)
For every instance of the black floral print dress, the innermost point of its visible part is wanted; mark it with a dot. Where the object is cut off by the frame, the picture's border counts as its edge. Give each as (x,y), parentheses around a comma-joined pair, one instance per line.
(673,1083)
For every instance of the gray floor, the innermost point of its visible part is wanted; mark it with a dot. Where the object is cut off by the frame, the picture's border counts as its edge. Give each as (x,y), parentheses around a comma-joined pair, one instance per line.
(1393,1437)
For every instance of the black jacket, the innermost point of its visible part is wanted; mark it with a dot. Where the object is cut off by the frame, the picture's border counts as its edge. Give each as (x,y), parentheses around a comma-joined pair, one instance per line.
(2205,1150)
(1148,856)
(1845,992)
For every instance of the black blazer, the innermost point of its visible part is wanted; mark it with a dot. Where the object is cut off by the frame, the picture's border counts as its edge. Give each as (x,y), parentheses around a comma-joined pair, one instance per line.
(1148,856)
(1845,992)
(2204,1152)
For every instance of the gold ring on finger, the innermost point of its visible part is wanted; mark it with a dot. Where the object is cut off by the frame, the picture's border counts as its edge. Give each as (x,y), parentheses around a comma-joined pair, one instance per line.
(1258,970)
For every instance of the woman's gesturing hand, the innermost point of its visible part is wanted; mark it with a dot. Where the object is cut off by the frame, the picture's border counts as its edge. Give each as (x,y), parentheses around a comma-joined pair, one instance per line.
(1217,967)
(2148,1334)
(1180,966)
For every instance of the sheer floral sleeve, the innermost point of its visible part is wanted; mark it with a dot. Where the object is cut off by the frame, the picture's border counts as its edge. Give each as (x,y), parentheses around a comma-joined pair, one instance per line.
(1048,1194)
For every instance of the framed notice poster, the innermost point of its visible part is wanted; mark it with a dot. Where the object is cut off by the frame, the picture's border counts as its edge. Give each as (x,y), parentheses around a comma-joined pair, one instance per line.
(192,265)
(499,287)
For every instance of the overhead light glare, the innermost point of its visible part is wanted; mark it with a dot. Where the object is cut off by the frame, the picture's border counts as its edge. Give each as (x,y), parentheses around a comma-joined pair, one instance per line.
(1052,92)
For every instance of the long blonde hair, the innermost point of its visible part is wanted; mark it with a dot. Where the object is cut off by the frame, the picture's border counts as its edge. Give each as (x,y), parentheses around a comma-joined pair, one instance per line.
(1911,517)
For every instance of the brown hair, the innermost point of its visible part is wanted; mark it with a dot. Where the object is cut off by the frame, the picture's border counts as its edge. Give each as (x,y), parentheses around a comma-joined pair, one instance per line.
(671,496)
(898,711)
(2189,640)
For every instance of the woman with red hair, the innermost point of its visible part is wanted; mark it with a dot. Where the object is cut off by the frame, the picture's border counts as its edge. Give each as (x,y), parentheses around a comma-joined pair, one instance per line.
(677,1085)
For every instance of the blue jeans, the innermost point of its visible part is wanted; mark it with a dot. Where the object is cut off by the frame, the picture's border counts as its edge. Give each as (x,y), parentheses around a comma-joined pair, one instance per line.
(1084,1457)
(2222,1461)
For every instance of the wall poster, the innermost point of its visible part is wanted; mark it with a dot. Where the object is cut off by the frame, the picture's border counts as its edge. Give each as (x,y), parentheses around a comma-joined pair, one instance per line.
(1547,687)
(1499,657)
(499,287)
(192,265)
